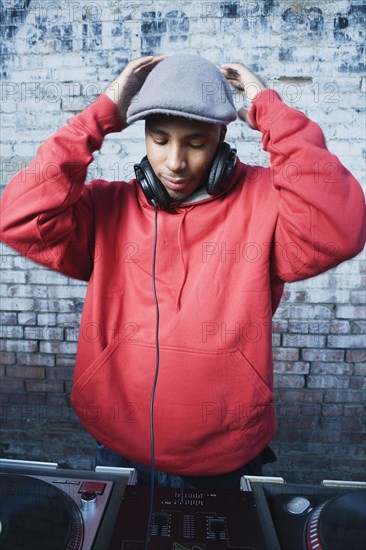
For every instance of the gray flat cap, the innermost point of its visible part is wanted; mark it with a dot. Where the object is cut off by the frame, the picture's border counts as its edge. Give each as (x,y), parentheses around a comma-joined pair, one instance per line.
(188,86)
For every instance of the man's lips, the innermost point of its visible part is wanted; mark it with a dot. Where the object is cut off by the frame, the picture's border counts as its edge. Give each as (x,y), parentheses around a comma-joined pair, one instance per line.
(176,184)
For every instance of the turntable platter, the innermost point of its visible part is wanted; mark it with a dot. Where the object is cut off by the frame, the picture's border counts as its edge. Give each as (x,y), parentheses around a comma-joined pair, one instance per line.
(339,523)
(35,515)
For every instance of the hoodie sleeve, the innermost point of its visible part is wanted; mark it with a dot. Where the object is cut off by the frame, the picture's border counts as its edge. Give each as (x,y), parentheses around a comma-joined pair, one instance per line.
(321,207)
(46,209)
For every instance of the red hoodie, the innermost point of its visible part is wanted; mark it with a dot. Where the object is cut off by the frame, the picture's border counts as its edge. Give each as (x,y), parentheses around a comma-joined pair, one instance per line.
(220,268)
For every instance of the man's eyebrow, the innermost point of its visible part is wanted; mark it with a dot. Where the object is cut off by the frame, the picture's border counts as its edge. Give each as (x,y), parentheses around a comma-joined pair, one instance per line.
(156,130)
(193,135)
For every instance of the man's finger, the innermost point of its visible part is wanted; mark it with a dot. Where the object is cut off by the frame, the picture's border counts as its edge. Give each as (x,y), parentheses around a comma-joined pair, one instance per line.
(150,62)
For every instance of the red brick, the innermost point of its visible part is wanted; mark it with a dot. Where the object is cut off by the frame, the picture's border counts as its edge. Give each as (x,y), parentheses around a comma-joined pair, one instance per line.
(360,369)
(358,383)
(276,340)
(301,396)
(354,410)
(279,325)
(350,438)
(60,373)
(58,347)
(346,396)
(294,296)
(60,399)
(298,326)
(340,327)
(312,409)
(289,381)
(26,372)
(65,360)
(12,384)
(332,410)
(311,433)
(37,359)
(7,318)
(328,381)
(323,354)
(356,451)
(296,424)
(331,368)
(296,367)
(7,358)
(319,327)
(44,385)
(27,291)
(356,355)
(359,327)
(19,398)
(303,340)
(68,320)
(286,354)
(55,306)
(68,386)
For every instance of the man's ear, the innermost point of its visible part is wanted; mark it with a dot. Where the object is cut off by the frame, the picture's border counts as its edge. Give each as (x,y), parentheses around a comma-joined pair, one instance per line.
(223,131)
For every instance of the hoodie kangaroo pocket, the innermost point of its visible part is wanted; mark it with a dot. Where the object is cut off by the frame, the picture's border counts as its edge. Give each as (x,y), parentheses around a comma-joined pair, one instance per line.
(202,400)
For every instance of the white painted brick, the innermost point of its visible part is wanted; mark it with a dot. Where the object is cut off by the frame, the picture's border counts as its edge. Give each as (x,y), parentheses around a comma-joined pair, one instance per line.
(61,291)
(57,347)
(6,149)
(348,341)
(12,276)
(17,304)
(8,103)
(46,319)
(46,277)
(350,312)
(328,296)
(28,149)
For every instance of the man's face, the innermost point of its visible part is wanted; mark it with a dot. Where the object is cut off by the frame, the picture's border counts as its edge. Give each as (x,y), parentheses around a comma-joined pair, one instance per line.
(180,151)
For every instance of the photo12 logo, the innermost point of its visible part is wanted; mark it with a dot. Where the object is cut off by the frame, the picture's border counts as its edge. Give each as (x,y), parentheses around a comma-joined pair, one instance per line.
(234,332)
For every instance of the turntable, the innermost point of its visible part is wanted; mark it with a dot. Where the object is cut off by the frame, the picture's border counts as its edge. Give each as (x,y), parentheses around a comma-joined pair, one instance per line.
(331,516)
(43,507)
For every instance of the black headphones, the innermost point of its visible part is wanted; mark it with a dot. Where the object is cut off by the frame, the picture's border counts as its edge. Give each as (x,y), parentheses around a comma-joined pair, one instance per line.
(218,180)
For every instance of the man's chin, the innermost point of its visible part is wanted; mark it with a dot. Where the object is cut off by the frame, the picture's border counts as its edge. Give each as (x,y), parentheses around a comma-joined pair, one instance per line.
(178,196)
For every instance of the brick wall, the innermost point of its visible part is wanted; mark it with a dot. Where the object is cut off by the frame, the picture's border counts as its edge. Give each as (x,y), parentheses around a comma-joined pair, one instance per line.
(57,57)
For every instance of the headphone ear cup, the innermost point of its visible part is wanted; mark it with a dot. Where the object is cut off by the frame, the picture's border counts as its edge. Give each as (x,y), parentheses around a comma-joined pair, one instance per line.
(152,187)
(221,169)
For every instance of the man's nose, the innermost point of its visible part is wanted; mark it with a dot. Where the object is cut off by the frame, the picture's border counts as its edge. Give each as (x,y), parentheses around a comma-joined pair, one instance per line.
(176,159)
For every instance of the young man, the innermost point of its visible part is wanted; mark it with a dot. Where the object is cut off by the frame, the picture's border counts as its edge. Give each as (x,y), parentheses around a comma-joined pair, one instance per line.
(229,236)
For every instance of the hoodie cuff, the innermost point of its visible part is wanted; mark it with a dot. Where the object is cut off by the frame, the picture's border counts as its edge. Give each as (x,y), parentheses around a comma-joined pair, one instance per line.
(101,118)
(266,107)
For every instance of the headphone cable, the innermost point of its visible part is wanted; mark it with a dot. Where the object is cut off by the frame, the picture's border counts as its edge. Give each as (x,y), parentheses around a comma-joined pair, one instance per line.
(157,358)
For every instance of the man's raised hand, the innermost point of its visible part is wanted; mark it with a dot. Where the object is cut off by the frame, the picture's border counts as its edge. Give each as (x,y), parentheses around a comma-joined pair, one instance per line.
(128,83)
(246,82)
